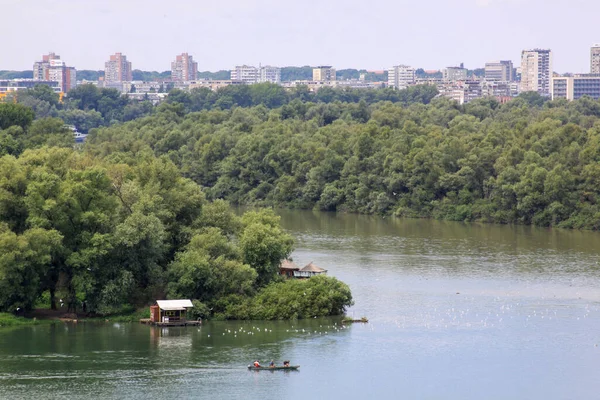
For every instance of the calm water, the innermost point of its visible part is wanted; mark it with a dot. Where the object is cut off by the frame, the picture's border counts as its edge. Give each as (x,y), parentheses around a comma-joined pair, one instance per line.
(456,312)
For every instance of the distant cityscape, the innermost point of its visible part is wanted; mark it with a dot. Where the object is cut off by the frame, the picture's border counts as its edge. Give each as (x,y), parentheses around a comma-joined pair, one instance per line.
(499,79)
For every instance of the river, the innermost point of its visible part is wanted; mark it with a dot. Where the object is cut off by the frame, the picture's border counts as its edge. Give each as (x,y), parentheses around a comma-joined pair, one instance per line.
(456,311)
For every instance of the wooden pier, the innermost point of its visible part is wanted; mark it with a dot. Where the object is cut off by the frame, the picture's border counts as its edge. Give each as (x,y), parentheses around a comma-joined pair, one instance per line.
(147,321)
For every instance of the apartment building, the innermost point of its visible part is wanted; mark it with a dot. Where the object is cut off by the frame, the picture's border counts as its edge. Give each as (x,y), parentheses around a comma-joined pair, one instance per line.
(184,68)
(270,74)
(324,73)
(245,73)
(214,85)
(576,86)
(454,74)
(52,68)
(14,85)
(117,69)
(595,59)
(536,71)
(401,76)
(499,71)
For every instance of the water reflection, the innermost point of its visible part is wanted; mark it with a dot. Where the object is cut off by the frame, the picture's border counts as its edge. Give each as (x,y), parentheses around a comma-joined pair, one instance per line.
(457,311)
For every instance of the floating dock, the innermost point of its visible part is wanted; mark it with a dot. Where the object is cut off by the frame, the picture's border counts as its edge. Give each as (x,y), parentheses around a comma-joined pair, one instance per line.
(147,321)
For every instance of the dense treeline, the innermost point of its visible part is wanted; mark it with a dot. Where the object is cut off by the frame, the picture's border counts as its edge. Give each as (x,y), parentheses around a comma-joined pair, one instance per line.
(5,74)
(87,106)
(529,161)
(126,230)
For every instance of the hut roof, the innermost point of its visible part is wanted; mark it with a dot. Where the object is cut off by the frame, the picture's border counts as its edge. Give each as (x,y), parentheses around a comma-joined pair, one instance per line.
(288,264)
(171,305)
(313,268)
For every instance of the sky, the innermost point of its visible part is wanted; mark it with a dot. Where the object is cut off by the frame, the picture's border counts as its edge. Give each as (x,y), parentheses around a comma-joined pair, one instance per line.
(373,34)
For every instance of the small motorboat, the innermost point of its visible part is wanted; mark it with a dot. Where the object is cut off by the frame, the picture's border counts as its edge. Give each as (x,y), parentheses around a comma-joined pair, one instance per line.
(289,367)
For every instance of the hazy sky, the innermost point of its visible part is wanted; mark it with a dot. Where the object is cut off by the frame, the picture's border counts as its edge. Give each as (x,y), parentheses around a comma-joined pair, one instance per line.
(372,34)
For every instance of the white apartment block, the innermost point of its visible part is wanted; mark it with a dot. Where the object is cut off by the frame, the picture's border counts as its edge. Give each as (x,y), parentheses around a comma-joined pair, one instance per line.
(324,73)
(499,71)
(454,74)
(401,76)
(245,73)
(576,86)
(270,74)
(536,71)
(595,59)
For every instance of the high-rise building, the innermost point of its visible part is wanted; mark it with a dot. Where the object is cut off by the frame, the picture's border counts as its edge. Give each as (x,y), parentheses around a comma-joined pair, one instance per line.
(453,74)
(52,68)
(324,73)
(245,73)
(117,69)
(536,71)
(270,74)
(184,68)
(400,76)
(499,71)
(595,59)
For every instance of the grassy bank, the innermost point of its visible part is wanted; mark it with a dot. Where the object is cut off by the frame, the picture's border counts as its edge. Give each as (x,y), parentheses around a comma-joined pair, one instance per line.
(7,320)
(123,316)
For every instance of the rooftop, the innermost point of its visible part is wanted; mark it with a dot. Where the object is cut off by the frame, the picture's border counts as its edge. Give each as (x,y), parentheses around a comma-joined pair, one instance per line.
(171,305)
(313,268)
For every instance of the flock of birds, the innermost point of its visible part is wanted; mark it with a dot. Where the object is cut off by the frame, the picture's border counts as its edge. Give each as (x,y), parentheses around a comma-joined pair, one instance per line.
(323,330)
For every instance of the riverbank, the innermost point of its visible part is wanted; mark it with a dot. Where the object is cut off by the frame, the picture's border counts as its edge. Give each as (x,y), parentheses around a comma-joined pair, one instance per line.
(10,320)
(43,315)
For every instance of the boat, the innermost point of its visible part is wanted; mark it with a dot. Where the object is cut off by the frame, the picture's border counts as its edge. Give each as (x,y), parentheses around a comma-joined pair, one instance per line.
(291,367)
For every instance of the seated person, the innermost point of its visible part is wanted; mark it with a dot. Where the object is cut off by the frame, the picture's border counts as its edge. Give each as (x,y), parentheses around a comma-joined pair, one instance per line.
(256,364)
(272,364)
(286,363)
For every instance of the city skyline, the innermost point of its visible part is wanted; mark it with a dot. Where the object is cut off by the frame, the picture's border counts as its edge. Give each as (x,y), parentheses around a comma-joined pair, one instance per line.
(343,34)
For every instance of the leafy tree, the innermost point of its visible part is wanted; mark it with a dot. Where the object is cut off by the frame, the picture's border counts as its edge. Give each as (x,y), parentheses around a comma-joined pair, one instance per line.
(23,261)
(15,115)
(264,244)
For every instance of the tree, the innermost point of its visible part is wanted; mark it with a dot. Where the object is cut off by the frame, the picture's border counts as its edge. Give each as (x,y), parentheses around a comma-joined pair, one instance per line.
(82,120)
(264,244)
(15,115)
(23,261)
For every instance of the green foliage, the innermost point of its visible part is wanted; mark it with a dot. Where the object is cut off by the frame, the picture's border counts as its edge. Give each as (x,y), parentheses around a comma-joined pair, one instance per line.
(264,244)
(48,132)
(4,74)
(293,299)
(15,115)
(148,76)
(89,75)
(122,231)
(529,161)
(296,73)
(10,320)
(219,75)
(24,259)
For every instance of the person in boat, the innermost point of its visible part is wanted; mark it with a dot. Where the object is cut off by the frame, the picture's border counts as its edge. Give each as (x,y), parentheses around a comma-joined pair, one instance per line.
(272,364)
(286,363)
(256,364)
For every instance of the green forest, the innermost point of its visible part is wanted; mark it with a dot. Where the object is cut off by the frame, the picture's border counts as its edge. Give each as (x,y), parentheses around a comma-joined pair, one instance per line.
(120,231)
(141,210)
(530,161)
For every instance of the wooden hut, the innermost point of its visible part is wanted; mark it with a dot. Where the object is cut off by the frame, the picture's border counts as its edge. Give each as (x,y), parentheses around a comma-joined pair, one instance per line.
(309,270)
(170,313)
(287,268)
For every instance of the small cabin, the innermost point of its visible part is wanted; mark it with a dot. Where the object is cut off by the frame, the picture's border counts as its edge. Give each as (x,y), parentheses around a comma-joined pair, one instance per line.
(287,268)
(309,270)
(171,312)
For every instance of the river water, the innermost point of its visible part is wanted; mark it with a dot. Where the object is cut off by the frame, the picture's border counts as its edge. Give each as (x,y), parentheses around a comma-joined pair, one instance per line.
(456,311)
